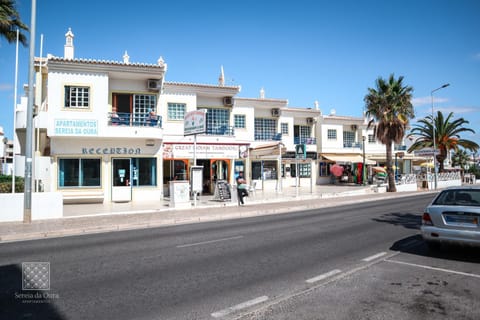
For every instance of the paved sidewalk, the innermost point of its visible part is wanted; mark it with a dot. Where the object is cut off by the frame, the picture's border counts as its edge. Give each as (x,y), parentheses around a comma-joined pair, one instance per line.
(92,218)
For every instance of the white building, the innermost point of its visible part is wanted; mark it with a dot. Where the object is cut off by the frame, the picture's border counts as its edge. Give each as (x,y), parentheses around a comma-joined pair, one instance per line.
(114,131)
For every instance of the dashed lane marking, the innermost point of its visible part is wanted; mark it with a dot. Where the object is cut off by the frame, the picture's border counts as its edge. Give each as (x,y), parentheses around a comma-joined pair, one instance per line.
(375,256)
(238,307)
(323,276)
(208,242)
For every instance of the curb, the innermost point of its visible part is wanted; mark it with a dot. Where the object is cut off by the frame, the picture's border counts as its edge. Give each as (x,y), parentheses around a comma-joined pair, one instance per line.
(250,211)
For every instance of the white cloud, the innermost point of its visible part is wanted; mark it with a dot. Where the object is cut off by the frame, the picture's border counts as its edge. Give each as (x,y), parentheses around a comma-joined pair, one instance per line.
(477,56)
(5,87)
(423,101)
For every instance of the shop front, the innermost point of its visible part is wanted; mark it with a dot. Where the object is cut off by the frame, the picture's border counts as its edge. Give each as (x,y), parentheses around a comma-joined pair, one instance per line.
(220,162)
(106,170)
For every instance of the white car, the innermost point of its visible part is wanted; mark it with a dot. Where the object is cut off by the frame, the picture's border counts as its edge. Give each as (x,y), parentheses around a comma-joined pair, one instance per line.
(453,217)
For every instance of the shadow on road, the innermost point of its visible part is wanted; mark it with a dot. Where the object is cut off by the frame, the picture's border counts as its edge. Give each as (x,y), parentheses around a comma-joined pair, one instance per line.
(415,245)
(407,220)
(16,303)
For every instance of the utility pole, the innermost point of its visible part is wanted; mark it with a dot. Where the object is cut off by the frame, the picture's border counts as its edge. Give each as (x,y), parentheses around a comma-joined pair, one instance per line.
(27,203)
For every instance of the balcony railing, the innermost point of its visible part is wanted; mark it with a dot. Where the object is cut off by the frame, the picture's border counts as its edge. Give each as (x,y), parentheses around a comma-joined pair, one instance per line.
(352,145)
(134,120)
(303,140)
(221,131)
(269,137)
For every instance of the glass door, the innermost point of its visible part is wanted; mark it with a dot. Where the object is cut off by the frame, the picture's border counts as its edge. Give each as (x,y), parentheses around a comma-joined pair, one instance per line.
(121,180)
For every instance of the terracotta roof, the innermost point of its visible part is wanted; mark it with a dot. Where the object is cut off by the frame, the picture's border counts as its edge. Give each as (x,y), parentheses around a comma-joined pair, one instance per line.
(104,62)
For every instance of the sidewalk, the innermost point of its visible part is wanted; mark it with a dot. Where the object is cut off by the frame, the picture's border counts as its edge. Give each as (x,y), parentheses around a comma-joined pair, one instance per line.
(92,218)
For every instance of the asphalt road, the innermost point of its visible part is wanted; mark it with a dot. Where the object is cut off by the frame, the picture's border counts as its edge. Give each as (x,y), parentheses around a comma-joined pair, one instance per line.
(298,265)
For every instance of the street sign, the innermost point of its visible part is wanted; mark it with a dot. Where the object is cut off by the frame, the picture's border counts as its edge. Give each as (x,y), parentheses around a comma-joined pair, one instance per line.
(300,151)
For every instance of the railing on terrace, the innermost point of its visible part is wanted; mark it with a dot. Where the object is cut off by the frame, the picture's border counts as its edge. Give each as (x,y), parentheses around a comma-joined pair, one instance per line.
(274,137)
(134,120)
(352,145)
(302,140)
(221,131)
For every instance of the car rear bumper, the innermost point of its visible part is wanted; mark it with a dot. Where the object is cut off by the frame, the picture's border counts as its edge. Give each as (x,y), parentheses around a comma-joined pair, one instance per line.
(464,237)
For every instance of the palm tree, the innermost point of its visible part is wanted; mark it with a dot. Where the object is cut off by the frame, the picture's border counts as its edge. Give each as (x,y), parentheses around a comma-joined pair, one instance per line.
(447,135)
(460,158)
(10,22)
(389,107)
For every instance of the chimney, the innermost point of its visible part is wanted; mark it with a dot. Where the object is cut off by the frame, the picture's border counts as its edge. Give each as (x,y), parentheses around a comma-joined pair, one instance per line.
(221,78)
(262,93)
(126,58)
(68,49)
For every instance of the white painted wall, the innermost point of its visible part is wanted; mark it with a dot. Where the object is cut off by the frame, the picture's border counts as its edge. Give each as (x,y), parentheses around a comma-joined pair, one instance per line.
(45,205)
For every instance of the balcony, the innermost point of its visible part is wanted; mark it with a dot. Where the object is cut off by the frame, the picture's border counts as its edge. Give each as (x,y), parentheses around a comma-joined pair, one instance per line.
(127,125)
(134,120)
(303,140)
(269,137)
(221,131)
(352,145)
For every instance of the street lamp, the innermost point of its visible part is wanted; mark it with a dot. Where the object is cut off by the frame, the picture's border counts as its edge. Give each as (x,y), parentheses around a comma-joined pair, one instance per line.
(433,136)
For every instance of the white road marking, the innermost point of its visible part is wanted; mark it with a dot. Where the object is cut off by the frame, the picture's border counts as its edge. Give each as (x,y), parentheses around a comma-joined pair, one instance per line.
(324,276)
(243,305)
(208,242)
(375,256)
(435,268)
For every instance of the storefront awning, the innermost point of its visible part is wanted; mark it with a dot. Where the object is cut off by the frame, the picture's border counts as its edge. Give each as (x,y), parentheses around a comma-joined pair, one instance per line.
(347,158)
(267,151)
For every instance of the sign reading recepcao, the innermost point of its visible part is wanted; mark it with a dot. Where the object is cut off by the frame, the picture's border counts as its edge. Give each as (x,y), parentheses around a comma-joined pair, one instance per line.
(194,122)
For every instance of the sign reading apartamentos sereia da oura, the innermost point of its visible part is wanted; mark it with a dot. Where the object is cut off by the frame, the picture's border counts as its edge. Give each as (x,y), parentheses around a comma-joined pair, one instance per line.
(76,127)
(194,122)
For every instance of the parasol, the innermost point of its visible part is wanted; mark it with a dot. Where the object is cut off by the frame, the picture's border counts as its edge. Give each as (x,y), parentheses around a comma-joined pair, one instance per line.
(379,169)
(336,170)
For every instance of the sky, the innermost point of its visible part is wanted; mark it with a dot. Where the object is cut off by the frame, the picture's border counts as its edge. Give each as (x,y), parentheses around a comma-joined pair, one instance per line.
(303,51)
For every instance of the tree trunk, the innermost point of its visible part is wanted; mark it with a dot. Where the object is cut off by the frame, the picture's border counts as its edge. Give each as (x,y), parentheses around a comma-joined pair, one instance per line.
(390,172)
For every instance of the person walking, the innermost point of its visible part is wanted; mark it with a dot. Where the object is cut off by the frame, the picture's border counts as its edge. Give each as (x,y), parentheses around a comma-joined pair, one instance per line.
(241,188)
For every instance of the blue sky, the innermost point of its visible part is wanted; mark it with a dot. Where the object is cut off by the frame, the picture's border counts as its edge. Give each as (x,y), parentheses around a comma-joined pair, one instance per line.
(330,51)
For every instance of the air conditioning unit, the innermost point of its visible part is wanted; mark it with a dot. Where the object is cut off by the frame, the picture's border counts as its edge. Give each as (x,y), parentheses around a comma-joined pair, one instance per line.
(276,112)
(310,121)
(228,101)
(354,127)
(153,84)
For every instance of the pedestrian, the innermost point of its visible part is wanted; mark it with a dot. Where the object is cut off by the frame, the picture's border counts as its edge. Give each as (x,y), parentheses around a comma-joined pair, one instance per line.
(241,188)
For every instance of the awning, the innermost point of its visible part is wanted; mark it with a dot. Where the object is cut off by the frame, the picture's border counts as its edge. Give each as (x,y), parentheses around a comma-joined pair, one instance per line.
(347,158)
(267,151)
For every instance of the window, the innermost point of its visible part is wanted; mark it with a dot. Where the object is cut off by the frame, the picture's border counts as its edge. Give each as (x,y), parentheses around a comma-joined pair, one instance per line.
(265,129)
(143,104)
(301,134)
(332,134)
(77,97)
(371,138)
(79,173)
(269,170)
(284,127)
(239,121)
(348,138)
(144,172)
(217,121)
(303,168)
(176,111)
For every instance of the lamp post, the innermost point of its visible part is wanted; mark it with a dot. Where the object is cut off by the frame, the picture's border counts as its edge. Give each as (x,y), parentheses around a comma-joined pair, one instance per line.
(363,165)
(434,138)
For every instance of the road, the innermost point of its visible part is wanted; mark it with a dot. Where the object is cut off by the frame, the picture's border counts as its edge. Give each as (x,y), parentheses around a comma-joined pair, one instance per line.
(363,261)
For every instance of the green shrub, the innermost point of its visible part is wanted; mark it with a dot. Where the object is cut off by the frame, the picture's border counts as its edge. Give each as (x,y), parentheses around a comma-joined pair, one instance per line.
(6,184)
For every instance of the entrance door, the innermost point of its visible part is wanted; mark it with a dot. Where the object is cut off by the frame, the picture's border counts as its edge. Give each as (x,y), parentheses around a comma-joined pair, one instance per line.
(121,180)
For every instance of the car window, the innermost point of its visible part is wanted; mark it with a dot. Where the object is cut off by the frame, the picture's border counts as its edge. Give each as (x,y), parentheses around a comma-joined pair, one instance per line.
(462,197)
